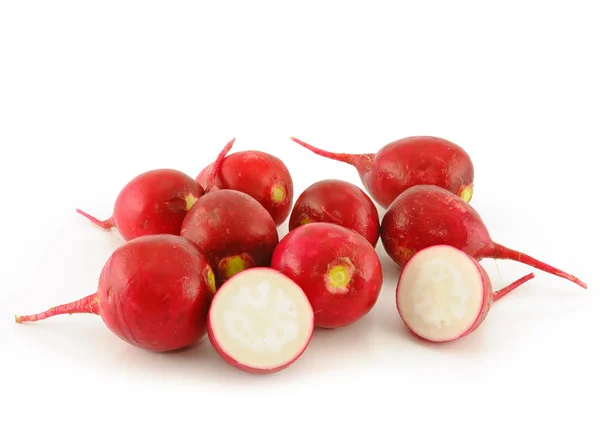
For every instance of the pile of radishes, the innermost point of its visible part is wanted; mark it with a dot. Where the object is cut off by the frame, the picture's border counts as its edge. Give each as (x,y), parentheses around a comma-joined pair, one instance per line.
(202,257)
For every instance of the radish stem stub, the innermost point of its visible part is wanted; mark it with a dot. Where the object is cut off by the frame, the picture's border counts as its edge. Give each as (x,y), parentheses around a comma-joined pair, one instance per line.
(260,321)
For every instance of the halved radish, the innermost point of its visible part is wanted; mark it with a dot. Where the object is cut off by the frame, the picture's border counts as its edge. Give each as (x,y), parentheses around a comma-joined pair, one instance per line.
(260,321)
(444,294)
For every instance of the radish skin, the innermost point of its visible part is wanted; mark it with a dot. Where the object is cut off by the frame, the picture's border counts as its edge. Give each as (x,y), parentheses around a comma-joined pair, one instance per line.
(260,321)
(230,227)
(444,294)
(407,162)
(338,269)
(154,202)
(338,202)
(154,292)
(427,215)
(260,175)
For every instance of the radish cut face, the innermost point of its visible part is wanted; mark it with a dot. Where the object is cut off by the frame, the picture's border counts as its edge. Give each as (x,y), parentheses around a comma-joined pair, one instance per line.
(260,321)
(441,293)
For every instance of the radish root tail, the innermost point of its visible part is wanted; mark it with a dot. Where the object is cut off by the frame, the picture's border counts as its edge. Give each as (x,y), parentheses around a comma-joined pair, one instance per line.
(504,291)
(104,224)
(350,159)
(502,252)
(87,305)
(211,184)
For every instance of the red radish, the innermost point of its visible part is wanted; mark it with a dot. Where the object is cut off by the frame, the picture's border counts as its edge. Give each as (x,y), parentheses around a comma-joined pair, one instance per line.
(336,267)
(231,228)
(258,174)
(339,202)
(409,161)
(260,321)
(444,294)
(427,215)
(153,202)
(154,292)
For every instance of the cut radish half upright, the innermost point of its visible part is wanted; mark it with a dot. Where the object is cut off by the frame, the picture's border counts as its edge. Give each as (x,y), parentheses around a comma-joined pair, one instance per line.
(444,294)
(260,321)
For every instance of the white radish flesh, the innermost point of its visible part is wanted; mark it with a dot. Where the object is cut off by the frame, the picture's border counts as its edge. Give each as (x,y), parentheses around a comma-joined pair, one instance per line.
(260,321)
(444,294)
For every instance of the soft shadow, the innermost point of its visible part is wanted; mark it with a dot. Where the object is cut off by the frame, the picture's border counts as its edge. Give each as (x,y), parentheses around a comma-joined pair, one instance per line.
(393,327)
(391,271)
(114,238)
(283,230)
(330,348)
(199,362)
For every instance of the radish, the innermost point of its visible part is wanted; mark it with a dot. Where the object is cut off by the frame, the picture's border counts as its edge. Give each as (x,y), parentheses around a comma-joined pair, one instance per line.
(444,294)
(154,292)
(339,202)
(231,228)
(404,163)
(154,202)
(258,174)
(337,268)
(260,321)
(427,215)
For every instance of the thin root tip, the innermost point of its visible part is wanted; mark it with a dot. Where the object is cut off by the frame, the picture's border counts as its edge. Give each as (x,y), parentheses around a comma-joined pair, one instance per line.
(104,224)
(18,319)
(228,147)
(577,281)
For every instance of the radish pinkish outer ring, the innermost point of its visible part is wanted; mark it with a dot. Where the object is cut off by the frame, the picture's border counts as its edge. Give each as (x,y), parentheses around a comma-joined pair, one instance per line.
(231,360)
(486,296)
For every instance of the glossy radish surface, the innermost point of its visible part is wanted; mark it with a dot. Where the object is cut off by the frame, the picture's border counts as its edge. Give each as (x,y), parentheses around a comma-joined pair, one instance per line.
(339,202)
(259,175)
(153,292)
(260,321)
(427,215)
(231,228)
(154,202)
(444,294)
(409,161)
(337,268)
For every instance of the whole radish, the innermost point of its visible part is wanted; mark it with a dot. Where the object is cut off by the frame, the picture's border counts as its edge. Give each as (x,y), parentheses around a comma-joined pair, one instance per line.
(339,202)
(258,174)
(427,215)
(337,268)
(409,161)
(444,294)
(154,202)
(154,292)
(260,321)
(230,227)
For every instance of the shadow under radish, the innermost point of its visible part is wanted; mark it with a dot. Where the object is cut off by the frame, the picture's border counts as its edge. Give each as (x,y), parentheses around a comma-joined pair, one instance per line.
(391,271)
(394,330)
(196,363)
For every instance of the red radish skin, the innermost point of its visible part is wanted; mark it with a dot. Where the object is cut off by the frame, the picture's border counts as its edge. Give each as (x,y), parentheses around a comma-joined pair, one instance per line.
(444,294)
(259,175)
(337,268)
(231,228)
(409,161)
(260,321)
(154,202)
(339,202)
(154,292)
(427,215)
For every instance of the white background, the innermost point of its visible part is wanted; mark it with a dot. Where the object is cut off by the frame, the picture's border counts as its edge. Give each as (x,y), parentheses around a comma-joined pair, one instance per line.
(93,93)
